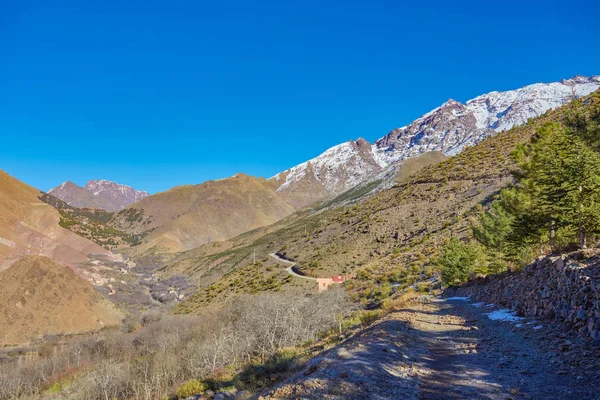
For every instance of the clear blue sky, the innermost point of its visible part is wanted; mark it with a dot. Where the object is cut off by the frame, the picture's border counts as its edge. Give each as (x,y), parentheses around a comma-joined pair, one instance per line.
(161,93)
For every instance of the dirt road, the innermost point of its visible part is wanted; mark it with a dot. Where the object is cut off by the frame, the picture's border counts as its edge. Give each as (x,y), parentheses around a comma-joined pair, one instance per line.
(290,269)
(451,349)
(474,357)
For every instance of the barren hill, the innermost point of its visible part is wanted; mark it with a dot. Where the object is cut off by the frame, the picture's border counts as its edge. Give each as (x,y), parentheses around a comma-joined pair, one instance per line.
(30,226)
(40,296)
(188,216)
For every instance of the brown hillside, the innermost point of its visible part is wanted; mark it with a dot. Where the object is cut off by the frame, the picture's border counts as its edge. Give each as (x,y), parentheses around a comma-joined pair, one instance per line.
(30,226)
(413,165)
(40,296)
(189,216)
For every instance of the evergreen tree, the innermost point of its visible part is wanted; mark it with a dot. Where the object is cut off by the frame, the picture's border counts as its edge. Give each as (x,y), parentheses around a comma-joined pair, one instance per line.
(493,227)
(558,186)
(459,262)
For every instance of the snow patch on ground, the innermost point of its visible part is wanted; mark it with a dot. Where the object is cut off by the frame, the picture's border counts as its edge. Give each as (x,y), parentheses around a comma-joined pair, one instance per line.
(504,315)
(458,298)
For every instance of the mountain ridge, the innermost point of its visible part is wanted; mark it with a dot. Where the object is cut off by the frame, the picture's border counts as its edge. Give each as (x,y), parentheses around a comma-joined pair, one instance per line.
(187,216)
(448,128)
(103,194)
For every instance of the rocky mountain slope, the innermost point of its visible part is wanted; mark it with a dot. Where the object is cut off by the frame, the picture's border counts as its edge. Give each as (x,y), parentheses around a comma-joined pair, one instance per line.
(29,226)
(103,194)
(40,296)
(188,216)
(448,128)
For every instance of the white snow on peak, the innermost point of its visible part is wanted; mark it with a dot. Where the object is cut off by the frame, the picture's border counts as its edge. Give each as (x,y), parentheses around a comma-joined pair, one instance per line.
(453,126)
(337,169)
(501,111)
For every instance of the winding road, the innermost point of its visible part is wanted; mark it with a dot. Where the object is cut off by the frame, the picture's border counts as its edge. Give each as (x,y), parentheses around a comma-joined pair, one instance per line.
(290,269)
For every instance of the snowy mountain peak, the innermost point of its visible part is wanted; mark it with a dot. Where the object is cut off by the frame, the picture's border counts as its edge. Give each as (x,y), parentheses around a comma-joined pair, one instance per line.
(104,194)
(453,125)
(448,128)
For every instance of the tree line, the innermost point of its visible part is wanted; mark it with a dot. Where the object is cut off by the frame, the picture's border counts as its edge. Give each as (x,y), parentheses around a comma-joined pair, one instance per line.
(553,204)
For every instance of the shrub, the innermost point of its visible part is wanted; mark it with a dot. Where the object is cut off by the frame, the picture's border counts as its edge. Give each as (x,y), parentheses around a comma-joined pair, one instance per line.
(459,261)
(368,317)
(190,388)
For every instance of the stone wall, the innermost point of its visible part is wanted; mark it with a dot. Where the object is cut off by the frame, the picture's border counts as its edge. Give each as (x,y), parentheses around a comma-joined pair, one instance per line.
(564,288)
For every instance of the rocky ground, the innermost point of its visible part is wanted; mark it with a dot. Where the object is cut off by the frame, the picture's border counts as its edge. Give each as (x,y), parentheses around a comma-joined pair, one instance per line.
(451,349)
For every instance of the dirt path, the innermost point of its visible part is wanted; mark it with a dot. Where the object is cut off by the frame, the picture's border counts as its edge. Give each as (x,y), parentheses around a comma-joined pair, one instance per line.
(290,269)
(450,349)
(474,357)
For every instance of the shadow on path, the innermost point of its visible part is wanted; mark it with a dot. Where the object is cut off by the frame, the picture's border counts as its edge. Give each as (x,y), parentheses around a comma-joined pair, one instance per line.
(472,357)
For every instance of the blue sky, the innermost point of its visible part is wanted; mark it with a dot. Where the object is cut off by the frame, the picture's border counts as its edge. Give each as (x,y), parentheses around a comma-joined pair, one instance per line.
(156,94)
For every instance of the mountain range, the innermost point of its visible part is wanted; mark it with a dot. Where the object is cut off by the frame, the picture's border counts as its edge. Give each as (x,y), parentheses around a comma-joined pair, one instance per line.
(448,128)
(208,230)
(188,216)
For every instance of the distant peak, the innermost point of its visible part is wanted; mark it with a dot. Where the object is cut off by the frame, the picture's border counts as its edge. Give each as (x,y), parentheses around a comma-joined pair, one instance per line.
(580,79)
(64,185)
(102,193)
(451,103)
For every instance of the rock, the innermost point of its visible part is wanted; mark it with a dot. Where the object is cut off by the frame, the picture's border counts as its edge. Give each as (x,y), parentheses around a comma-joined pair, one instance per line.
(243,395)
(223,396)
(343,353)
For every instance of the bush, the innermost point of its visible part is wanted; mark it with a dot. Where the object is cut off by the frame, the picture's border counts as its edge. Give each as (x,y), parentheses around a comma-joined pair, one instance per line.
(191,388)
(459,261)
(162,353)
(368,317)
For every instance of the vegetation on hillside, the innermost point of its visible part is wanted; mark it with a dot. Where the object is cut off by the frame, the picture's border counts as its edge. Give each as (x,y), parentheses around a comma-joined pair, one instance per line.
(91,223)
(553,204)
(389,241)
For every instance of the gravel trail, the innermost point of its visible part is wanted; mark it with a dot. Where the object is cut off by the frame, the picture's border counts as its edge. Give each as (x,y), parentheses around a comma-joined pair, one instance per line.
(451,349)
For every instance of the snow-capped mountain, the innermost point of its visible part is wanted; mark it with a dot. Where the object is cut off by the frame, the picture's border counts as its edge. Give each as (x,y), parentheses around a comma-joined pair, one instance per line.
(335,171)
(448,128)
(104,194)
(453,126)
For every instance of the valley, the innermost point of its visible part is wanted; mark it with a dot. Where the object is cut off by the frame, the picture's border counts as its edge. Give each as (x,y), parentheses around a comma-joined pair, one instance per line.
(363,200)
(289,287)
